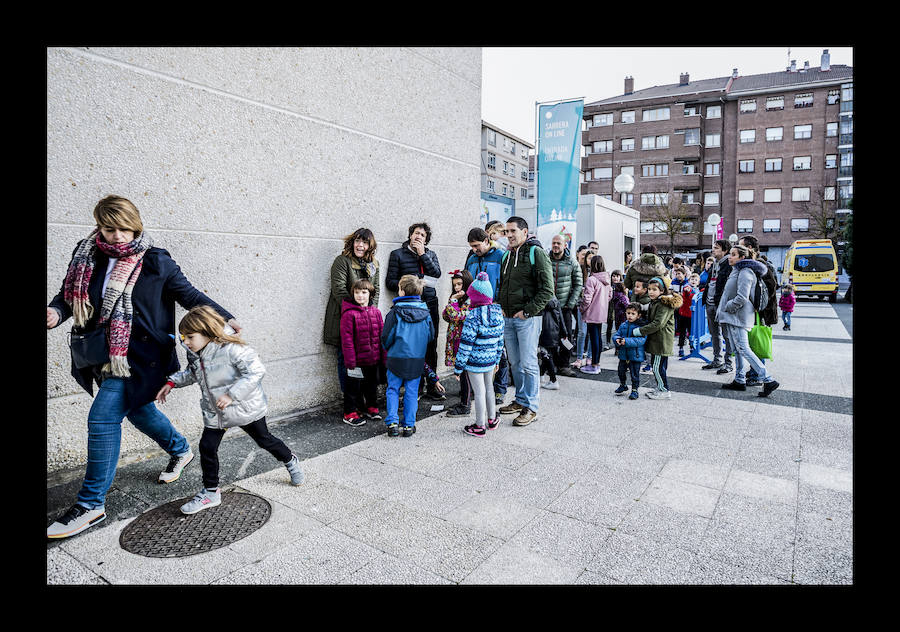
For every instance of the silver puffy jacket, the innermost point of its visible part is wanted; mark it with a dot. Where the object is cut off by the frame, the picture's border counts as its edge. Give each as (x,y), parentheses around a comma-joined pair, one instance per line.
(226,368)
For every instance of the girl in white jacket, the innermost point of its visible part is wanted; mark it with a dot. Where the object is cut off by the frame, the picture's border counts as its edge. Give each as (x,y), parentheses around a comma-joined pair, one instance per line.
(229,374)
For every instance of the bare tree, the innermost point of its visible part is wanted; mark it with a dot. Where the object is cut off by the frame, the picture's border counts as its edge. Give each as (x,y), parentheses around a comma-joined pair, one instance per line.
(675,219)
(820,209)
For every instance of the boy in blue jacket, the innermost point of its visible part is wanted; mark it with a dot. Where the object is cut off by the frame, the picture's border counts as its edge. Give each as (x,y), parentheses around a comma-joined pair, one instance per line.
(630,350)
(408,329)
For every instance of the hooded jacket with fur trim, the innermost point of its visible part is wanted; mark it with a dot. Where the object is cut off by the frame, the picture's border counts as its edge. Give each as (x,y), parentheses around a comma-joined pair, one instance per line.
(660,330)
(644,269)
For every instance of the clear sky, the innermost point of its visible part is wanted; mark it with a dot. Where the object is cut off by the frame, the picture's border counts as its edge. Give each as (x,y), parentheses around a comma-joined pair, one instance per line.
(513,79)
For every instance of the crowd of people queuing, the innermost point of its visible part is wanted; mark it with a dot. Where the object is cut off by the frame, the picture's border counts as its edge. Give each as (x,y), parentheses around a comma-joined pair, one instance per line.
(518,316)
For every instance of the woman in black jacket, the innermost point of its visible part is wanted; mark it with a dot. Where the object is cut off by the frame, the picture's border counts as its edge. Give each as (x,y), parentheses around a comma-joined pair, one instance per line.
(412,257)
(120,283)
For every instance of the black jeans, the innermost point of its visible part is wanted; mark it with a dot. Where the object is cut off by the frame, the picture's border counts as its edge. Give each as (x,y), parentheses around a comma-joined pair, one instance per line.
(361,393)
(634,367)
(465,389)
(258,431)
(547,363)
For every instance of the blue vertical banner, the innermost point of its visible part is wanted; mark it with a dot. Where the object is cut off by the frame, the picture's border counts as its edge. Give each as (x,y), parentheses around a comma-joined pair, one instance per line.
(558,169)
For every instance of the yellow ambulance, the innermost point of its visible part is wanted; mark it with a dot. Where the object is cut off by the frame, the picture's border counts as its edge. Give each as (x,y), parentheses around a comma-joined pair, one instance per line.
(810,265)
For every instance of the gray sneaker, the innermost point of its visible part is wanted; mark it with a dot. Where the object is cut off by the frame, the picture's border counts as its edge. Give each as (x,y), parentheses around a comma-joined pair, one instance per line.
(658,394)
(175,466)
(76,520)
(293,466)
(205,499)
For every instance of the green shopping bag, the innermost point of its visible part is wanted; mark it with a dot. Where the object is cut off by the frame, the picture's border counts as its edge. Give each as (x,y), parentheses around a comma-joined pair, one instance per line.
(760,338)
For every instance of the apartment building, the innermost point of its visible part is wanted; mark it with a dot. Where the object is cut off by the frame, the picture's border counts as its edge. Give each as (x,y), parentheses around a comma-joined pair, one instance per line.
(504,163)
(762,151)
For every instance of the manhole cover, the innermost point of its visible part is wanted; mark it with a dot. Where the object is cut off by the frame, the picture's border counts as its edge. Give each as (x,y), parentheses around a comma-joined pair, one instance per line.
(166,532)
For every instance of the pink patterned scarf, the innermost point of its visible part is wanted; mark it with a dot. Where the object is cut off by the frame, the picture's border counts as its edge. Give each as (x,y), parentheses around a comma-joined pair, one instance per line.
(116,307)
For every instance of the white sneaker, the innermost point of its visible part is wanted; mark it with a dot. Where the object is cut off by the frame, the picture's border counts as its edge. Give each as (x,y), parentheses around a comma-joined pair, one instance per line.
(545,379)
(76,520)
(205,499)
(296,472)
(551,386)
(657,394)
(175,466)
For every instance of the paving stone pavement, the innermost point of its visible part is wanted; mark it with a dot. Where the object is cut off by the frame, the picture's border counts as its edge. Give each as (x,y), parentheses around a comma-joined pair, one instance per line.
(708,488)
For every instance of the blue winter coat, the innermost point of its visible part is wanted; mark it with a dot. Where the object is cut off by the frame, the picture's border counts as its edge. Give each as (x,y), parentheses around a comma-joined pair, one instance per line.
(633,349)
(407,331)
(489,264)
(481,340)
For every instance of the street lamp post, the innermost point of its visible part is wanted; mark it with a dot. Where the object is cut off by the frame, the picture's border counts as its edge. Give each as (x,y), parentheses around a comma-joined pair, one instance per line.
(713,220)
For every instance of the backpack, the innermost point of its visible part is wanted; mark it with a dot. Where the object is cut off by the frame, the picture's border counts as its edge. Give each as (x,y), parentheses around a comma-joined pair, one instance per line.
(761,295)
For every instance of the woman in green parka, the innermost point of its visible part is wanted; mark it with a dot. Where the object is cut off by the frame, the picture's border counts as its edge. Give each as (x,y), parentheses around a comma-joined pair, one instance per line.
(357,261)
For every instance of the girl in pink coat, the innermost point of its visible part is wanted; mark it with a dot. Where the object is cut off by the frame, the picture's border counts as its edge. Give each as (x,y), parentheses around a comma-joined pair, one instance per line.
(594,308)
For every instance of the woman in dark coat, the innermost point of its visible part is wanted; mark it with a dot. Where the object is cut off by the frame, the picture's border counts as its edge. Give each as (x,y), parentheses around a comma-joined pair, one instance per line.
(356,261)
(119,282)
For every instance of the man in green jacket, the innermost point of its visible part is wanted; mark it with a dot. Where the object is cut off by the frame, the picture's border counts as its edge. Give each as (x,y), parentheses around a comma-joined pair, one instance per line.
(525,287)
(567,286)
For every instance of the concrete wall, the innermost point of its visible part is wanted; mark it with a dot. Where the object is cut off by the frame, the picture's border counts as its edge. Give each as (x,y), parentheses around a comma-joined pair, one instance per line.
(249,165)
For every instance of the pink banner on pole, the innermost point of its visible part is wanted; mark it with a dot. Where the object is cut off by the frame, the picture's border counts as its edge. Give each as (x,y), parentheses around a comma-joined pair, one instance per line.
(720,232)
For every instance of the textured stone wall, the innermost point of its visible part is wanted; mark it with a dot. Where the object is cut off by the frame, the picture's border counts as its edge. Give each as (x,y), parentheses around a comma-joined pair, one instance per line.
(249,165)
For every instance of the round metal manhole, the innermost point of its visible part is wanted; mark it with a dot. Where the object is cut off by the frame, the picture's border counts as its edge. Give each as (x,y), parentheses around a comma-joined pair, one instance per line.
(166,532)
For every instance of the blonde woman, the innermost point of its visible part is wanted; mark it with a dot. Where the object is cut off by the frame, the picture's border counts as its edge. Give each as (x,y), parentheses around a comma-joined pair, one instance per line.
(120,284)
(229,373)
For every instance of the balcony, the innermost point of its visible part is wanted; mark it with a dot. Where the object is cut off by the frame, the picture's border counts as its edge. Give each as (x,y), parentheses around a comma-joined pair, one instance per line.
(684,181)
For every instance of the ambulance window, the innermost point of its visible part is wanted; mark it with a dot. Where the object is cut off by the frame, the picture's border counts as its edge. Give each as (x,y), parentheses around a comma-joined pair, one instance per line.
(813,263)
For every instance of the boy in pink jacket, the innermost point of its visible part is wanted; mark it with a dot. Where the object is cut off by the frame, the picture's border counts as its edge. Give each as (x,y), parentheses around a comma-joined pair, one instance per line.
(594,309)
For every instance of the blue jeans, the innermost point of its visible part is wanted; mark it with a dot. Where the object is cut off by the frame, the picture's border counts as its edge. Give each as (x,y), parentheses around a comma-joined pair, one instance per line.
(521,338)
(105,437)
(582,340)
(743,355)
(786,317)
(410,400)
(501,379)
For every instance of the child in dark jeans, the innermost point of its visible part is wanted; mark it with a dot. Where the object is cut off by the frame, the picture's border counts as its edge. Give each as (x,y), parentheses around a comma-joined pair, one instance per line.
(630,349)
(361,326)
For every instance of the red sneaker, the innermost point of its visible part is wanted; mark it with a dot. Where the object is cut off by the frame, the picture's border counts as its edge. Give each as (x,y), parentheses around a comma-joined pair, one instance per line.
(353,419)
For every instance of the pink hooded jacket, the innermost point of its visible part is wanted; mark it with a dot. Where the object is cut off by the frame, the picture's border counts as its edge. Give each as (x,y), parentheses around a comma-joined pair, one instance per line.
(595,298)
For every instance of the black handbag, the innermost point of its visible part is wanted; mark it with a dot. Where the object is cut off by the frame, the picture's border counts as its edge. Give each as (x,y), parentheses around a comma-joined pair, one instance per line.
(89,348)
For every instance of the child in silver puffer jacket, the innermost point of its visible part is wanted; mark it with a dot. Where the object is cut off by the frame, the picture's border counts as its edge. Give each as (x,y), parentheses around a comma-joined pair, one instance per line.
(229,373)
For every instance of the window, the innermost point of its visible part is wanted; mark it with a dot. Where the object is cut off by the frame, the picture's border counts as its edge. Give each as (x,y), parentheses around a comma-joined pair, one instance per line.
(713,111)
(655,142)
(658,114)
(800,194)
(799,225)
(607,196)
(745,195)
(492,137)
(602,173)
(687,226)
(512,170)
(691,110)
(524,153)
(586,176)
(654,198)
(490,185)
(651,171)
(603,146)
(505,166)
(523,193)
(846,130)
(628,199)
(711,198)
(829,193)
(773,164)
(775,103)
(771,225)
(834,96)
(687,197)
(748,135)
(746,166)
(802,163)
(804,100)
(772,195)
(603,119)
(712,168)
(748,105)
(802,131)
(628,116)
(492,161)
(653,227)
(745,225)
(692,136)
(627,170)
(774,133)
(627,144)
(814,263)
(689,168)
(512,148)
(713,140)
(831,129)
(524,173)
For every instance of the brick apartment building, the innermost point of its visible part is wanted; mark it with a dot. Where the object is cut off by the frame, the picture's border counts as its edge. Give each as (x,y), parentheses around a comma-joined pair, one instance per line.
(759,151)
(504,163)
